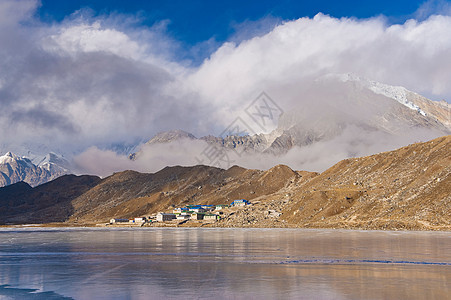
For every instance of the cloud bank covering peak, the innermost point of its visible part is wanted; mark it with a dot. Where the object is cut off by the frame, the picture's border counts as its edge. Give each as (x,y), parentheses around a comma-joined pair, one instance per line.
(92,81)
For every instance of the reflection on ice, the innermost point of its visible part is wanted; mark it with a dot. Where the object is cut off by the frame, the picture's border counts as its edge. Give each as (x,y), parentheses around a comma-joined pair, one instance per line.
(225,263)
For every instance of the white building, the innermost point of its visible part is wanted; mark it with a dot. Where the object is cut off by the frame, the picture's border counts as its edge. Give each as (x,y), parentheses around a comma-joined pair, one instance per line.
(162,217)
(221,206)
(211,217)
(197,216)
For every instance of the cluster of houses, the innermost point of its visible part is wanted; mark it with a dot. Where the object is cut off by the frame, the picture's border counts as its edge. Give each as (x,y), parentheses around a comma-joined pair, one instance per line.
(189,212)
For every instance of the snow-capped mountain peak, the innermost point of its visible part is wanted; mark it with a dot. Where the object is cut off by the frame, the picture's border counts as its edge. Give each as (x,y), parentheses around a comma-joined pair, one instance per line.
(52,161)
(397,93)
(14,168)
(10,157)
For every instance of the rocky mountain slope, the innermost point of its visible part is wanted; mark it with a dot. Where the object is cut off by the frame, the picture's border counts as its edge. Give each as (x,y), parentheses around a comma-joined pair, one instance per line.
(14,169)
(256,143)
(403,189)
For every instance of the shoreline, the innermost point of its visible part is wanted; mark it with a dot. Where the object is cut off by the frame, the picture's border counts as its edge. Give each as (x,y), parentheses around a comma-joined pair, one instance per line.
(211,226)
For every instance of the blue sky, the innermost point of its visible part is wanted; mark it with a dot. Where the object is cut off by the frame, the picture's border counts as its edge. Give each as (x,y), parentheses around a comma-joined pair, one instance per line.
(193,22)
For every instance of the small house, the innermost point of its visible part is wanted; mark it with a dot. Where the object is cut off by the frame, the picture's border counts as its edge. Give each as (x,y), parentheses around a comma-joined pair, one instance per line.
(163,217)
(211,217)
(140,220)
(183,217)
(221,206)
(115,221)
(197,216)
(240,202)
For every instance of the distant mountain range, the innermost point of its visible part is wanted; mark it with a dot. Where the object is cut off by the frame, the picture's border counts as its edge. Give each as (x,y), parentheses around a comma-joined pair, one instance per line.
(347,115)
(14,169)
(403,189)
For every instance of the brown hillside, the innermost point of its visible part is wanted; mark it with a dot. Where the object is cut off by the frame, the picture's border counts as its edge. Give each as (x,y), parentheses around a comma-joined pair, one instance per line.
(408,188)
(404,189)
(129,194)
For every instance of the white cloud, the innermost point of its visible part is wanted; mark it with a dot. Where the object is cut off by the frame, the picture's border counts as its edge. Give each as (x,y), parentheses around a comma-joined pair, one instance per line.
(100,80)
(152,158)
(93,38)
(317,157)
(414,54)
(101,162)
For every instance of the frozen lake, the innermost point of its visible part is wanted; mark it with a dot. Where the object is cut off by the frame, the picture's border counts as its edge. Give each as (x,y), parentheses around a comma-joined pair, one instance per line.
(156,263)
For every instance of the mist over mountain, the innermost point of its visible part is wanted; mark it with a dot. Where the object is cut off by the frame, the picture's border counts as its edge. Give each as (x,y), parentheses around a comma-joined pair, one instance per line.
(337,117)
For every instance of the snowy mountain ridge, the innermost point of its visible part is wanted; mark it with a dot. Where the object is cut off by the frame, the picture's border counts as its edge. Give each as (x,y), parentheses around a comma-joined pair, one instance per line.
(53,163)
(14,168)
(397,93)
(11,157)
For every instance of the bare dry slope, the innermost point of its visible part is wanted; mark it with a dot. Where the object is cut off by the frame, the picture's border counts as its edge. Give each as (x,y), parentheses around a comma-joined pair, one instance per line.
(409,188)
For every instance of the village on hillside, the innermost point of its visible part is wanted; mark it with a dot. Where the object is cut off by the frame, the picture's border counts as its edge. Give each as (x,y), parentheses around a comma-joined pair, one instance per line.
(180,215)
